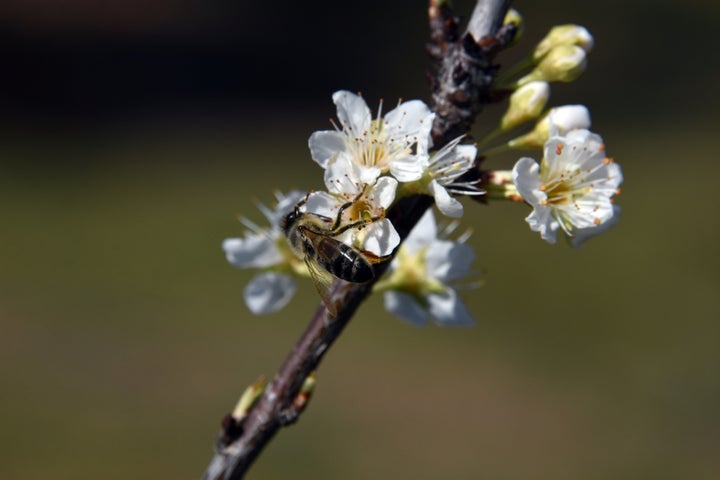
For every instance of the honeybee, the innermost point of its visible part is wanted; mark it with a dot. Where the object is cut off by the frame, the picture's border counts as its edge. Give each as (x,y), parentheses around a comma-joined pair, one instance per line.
(312,237)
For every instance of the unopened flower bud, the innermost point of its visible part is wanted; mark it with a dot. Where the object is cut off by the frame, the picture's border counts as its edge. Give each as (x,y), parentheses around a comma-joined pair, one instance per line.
(564,119)
(526,103)
(306,391)
(564,35)
(568,117)
(563,63)
(251,394)
(514,17)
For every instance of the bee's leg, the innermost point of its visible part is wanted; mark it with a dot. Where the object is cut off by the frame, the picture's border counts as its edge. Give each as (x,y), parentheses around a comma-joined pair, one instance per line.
(372,258)
(358,224)
(344,207)
(304,200)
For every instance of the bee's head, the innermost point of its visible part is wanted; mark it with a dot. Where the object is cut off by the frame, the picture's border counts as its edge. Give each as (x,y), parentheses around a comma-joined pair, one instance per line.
(290,220)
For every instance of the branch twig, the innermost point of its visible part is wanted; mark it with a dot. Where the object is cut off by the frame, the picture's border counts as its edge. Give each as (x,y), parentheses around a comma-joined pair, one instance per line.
(461,86)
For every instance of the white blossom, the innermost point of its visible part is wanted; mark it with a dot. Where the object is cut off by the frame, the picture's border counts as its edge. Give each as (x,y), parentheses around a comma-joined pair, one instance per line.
(572,189)
(368,204)
(417,286)
(266,249)
(441,176)
(393,143)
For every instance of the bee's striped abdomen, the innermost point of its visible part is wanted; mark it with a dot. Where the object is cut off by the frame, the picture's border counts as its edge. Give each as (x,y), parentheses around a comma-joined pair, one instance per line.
(343,261)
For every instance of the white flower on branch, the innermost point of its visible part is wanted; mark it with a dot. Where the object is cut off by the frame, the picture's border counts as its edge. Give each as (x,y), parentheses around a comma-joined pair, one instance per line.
(572,188)
(417,286)
(266,249)
(440,176)
(393,143)
(361,202)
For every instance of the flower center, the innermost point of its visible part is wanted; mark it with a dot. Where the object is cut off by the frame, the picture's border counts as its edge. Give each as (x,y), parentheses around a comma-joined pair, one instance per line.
(565,188)
(374,148)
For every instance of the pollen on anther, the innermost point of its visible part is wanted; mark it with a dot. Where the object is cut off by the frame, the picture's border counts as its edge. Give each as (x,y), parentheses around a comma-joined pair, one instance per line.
(607,160)
(543,187)
(597,221)
(559,148)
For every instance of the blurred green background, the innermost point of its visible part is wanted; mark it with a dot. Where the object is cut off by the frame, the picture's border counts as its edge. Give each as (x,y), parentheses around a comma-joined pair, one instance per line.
(131,137)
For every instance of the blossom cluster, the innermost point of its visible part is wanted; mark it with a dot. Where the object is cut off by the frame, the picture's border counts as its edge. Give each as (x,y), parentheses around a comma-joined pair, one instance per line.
(369,162)
(571,189)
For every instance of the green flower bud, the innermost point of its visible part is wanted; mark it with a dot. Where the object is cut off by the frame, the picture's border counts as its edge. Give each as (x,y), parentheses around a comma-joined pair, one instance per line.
(526,103)
(563,63)
(251,395)
(564,35)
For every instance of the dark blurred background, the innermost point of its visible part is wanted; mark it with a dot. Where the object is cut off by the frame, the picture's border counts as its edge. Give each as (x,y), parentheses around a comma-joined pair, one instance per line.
(132,134)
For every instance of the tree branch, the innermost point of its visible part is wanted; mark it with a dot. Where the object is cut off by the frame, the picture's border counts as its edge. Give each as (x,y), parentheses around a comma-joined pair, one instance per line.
(487,18)
(240,442)
(462,84)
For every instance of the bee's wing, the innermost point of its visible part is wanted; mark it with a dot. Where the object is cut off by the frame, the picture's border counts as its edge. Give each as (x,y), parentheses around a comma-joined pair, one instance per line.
(323,280)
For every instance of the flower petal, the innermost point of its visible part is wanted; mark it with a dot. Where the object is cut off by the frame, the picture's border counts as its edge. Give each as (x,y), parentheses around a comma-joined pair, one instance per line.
(542,220)
(409,123)
(251,251)
(268,292)
(448,261)
(408,168)
(447,309)
(324,145)
(342,177)
(526,176)
(448,205)
(353,113)
(322,203)
(423,233)
(405,307)
(581,235)
(381,238)
(383,192)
